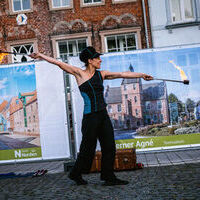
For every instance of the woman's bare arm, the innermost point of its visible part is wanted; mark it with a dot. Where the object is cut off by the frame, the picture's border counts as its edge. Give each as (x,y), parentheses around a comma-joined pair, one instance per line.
(115,75)
(64,66)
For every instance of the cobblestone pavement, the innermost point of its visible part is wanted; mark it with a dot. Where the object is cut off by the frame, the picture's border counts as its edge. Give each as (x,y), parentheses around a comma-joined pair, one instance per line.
(13,143)
(179,182)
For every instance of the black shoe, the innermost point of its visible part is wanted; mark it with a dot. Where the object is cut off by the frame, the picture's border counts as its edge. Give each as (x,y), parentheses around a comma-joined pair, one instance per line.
(78,179)
(115,181)
(108,177)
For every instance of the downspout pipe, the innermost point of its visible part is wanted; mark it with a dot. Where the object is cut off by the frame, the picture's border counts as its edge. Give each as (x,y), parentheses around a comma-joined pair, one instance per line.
(145,23)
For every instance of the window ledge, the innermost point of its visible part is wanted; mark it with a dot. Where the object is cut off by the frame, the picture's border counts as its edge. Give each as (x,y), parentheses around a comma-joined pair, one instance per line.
(20,12)
(60,8)
(184,24)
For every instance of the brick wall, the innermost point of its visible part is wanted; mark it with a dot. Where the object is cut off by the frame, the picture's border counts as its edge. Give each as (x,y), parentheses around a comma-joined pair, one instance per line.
(44,23)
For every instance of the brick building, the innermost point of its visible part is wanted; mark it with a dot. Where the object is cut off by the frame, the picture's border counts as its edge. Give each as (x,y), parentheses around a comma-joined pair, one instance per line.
(4,116)
(134,104)
(63,28)
(24,114)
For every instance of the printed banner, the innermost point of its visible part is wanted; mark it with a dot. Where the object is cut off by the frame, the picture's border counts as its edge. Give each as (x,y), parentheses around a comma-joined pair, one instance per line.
(158,142)
(27,153)
(19,120)
(157,113)
(157,110)
(33,117)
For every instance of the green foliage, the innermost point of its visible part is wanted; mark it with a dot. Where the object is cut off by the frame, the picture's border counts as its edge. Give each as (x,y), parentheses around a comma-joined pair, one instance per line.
(172,98)
(191,123)
(152,129)
(190,105)
(163,129)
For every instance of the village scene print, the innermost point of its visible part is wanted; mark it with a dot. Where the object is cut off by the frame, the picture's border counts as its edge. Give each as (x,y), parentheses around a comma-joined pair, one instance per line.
(19,122)
(139,108)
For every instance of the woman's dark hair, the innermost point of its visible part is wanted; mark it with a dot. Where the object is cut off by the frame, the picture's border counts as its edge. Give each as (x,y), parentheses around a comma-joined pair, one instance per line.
(88,53)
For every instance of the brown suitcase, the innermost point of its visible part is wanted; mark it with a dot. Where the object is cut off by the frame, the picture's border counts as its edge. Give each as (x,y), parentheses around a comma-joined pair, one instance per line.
(96,164)
(124,160)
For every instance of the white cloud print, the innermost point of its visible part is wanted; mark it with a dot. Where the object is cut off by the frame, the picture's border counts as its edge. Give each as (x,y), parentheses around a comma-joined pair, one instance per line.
(28,72)
(7,97)
(3,83)
(194,94)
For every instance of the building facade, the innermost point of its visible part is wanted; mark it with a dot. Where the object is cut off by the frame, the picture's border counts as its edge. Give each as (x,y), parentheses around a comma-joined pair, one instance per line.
(174,22)
(24,114)
(4,115)
(134,104)
(63,28)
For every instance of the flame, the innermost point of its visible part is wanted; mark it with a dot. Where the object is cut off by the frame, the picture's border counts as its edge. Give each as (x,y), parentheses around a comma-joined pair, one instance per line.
(2,55)
(182,73)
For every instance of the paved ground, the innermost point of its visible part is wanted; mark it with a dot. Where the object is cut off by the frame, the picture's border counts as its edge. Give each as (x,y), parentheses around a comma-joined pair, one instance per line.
(169,175)
(7,142)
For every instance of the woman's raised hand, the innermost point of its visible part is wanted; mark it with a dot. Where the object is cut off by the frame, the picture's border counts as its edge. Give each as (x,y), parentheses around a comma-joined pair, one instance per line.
(35,55)
(147,77)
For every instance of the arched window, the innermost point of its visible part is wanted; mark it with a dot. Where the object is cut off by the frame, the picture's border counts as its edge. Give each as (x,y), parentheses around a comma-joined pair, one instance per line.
(26,49)
(135,99)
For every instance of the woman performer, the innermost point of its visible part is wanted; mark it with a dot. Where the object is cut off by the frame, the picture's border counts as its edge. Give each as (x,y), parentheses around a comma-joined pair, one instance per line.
(96,123)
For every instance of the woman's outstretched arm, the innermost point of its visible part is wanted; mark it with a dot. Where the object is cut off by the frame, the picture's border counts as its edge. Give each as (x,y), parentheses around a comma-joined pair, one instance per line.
(64,66)
(128,74)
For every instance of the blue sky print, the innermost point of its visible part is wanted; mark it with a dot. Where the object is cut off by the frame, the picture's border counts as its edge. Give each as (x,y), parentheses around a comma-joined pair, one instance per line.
(158,63)
(16,79)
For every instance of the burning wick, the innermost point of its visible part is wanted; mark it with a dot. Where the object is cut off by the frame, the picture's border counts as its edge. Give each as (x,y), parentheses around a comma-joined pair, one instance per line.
(186,82)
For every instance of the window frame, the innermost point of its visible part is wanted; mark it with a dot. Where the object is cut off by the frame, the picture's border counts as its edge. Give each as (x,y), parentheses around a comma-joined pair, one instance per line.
(69,40)
(148,105)
(116,41)
(161,118)
(159,105)
(119,108)
(135,99)
(196,21)
(110,109)
(71,5)
(11,8)
(182,12)
(155,118)
(82,4)
(136,112)
(13,48)
(106,33)
(57,38)
(10,44)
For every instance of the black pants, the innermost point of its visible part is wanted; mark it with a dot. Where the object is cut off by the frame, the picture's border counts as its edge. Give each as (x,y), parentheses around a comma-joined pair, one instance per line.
(96,126)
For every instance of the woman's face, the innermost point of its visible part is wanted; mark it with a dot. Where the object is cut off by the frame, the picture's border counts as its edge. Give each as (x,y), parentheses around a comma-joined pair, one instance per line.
(95,62)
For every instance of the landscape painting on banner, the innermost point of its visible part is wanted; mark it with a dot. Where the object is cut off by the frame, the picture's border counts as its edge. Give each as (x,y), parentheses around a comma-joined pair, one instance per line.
(155,114)
(19,121)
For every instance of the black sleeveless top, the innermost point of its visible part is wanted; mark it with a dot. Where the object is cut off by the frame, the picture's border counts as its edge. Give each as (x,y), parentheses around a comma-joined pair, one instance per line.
(92,93)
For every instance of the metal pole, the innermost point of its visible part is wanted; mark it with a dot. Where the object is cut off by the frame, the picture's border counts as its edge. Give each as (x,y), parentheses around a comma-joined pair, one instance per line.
(171,80)
(8,52)
(145,23)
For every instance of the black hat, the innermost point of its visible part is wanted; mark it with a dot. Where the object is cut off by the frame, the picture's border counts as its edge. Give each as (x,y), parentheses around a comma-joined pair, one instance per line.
(88,53)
